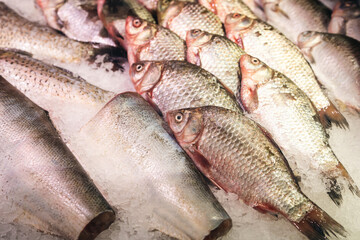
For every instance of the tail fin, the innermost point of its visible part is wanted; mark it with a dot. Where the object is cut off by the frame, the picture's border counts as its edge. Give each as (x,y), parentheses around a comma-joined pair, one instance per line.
(317,225)
(332,115)
(351,184)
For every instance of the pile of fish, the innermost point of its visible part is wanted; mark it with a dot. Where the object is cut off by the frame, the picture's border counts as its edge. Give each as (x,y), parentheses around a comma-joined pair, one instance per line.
(229,93)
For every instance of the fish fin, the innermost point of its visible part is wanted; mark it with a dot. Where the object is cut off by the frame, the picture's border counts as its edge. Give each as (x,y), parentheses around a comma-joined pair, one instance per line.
(116,56)
(307,53)
(193,57)
(317,225)
(4,51)
(276,8)
(334,191)
(347,107)
(351,184)
(247,96)
(263,208)
(331,115)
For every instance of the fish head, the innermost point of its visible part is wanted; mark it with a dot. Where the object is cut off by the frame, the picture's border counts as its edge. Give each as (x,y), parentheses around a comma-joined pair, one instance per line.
(138,31)
(308,39)
(167,10)
(195,40)
(145,75)
(347,9)
(237,24)
(187,124)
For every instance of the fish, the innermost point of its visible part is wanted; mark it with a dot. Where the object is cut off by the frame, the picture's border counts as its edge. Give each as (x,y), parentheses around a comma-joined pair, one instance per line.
(151,5)
(345,19)
(180,17)
(180,201)
(224,7)
(330,4)
(265,42)
(77,19)
(148,41)
(335,60)
(53,88)
(39,175)
(235,154)
(113,15)
(216,54)
(284,110)
(292,17)
(171,85)
(44,43)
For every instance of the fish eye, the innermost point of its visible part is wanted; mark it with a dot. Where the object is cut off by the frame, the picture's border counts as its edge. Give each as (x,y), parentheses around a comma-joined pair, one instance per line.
(139,67)
(236,15)
(195,32)
(178,117)
(255,61)
(137,22)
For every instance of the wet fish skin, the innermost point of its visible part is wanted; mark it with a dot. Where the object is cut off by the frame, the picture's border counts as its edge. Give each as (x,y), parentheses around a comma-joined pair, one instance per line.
(179,195)
(277,104)
(37,166)
(335,60)
(234,153)
(345,19)
(263,41)
(330,4)
(291,17)
(181,17)
(172,85)
(216,54)
(151,5)
(50,8)
(224,7)
(148,41)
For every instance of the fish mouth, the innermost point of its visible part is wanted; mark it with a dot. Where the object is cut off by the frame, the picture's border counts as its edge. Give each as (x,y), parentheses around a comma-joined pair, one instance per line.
(98,224)
(222,229)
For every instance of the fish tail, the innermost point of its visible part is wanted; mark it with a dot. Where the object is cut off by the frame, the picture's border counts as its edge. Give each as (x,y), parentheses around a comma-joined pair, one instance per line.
(318,225)
(351,184)
(331,115)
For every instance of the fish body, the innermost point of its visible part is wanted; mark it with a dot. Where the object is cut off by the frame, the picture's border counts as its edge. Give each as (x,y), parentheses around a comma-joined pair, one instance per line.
(174,85)
(269,45)
(148,41)
(224,7)
(330,4)
(41,177)
(180,200)
(292,17)
(234,153)
(278,105)
(336,61)
(216,54)
(345,19)
(181,17)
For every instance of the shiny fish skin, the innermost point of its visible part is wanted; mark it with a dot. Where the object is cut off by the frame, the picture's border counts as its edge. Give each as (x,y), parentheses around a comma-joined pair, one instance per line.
(278,105)
(37,166)
(179,195)
(234,153)
(151,5)
(148,41)
(216,54)
(224,7)
(174,85)
(181,17)
(336,62)
(292,17)
(269,45)
(345,19)
(49,9)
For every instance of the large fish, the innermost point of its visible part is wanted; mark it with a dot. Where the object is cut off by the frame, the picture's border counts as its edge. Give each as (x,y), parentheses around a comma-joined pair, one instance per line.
(269,45)
(293,17)
(224,7)
(278,105)
(42,179)
(174,85)
(181,17)
(148,41)
(77,19)
(216,54)
(44,43)
(179,201)
(336,62)
(345,19)
(234,153)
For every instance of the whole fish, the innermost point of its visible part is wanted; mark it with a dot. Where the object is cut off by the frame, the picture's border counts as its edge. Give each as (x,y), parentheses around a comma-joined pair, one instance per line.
(336,62)
(113,15)
(224,7)
(292,17)
(279,106)
(44,43)
(269,45)
(180,200)
(46,185)
(172,85)
(148,41)
(216,54)
(234,153)
(345,19)
(181,17)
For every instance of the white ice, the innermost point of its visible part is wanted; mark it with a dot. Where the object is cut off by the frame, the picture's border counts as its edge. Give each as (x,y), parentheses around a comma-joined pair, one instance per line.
(248,224)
